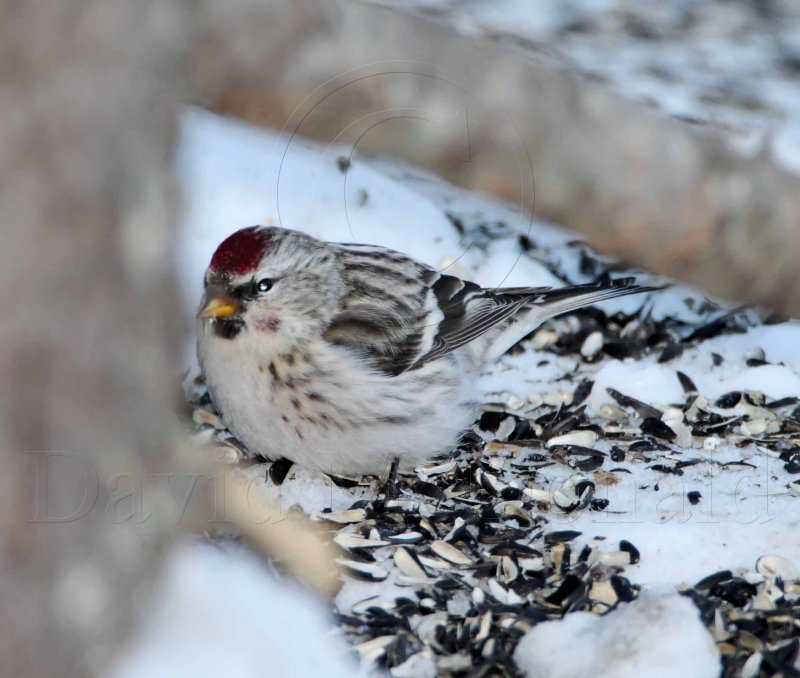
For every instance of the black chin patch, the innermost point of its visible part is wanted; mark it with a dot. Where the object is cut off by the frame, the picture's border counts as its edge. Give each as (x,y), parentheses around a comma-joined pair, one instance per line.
(228,328)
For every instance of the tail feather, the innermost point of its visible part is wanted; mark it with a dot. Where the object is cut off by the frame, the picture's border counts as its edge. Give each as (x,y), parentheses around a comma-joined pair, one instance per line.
(544,303)
(565,299)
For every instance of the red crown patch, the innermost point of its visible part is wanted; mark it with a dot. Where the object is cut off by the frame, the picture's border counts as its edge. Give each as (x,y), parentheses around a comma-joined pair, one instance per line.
(241,252)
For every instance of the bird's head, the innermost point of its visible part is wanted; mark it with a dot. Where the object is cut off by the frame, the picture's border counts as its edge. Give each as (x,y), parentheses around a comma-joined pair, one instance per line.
(263,279)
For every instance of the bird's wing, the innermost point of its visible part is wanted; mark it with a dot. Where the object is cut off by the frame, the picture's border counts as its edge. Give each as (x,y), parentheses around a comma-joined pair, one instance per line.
(400,314)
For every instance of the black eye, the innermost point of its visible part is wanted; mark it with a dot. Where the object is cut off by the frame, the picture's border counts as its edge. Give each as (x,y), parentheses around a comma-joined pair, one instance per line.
(264,285)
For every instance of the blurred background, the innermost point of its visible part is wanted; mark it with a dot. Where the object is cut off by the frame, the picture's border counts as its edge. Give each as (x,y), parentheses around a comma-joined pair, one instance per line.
(135,136)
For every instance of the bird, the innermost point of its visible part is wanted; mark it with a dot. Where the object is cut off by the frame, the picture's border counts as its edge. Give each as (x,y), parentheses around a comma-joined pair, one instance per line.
(346,358)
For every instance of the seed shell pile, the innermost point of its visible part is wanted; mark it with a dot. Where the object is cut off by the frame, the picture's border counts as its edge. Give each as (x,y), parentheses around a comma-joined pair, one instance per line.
(754,617)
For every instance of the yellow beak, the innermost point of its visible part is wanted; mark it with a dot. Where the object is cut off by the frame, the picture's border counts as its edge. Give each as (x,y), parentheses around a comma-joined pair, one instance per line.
(220,307)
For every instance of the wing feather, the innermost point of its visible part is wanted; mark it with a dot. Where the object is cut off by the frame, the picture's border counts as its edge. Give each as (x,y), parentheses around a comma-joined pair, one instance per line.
(400,314)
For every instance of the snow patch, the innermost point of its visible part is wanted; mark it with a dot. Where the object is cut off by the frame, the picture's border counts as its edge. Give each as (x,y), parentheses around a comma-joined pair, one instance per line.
(219,613)
(655,636)
(653,384)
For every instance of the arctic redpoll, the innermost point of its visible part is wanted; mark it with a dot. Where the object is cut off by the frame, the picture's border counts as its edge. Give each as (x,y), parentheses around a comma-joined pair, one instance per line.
(343,357)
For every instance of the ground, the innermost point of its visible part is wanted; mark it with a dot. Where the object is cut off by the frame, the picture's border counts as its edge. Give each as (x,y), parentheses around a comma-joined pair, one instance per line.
(625,452)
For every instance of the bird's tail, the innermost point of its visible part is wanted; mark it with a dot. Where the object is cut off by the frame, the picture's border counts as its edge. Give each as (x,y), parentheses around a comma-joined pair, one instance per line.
(543,303)
(562,300)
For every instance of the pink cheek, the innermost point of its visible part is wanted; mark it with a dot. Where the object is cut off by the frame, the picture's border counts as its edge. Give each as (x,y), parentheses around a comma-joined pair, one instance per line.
(268,322)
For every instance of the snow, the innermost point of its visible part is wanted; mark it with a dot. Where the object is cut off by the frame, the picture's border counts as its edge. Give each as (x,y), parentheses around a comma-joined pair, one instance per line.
(308,489)
(416,666)
(659,385)
(650,383)
(657,635)
(234,175)
(219,614)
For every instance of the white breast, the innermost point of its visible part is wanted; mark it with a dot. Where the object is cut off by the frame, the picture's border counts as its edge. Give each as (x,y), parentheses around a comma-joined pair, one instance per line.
(324,408)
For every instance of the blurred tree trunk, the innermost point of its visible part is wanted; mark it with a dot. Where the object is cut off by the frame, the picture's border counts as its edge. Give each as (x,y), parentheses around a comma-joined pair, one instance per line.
(655,191)
(89,91)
